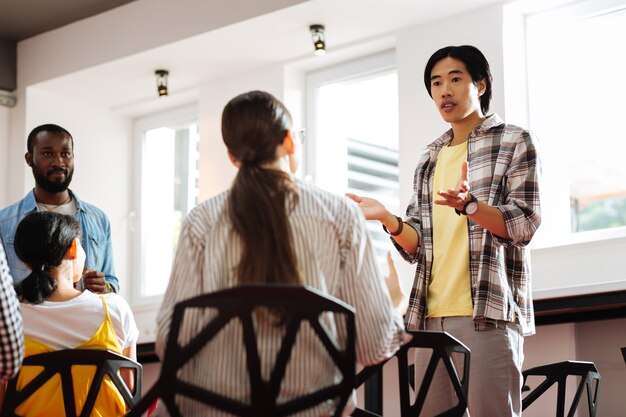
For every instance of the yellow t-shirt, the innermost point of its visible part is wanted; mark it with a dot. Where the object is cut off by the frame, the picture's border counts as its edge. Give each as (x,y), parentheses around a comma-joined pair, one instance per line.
(449,293)
(48,399)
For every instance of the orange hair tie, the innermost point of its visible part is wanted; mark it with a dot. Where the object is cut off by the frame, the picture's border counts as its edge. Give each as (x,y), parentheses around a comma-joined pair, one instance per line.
(72,250)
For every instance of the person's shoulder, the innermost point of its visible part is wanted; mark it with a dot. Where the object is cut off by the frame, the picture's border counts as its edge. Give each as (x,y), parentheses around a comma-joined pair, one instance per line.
(208,210)
(98,221)
(326,206)
(119,309)
(13,210)
(438,143)
(203,217)
(117,304)
(90,208)
(311,194)
(115,299)
(519,135)
(8,210)
(515,129)
(510,132)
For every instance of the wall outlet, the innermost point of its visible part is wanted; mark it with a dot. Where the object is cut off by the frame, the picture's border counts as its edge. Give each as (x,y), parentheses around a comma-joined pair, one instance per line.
(7,100)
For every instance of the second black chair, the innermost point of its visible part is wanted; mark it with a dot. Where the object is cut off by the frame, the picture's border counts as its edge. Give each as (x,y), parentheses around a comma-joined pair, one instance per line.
(440,346)
(298,305)
(557,373)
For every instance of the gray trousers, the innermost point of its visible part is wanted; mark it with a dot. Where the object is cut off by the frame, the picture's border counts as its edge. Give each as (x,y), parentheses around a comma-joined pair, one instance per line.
(495,381)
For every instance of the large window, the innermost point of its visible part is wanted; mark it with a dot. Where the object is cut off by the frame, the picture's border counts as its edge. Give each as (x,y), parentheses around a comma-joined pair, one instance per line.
(353,120)
(168,149)
(575,56)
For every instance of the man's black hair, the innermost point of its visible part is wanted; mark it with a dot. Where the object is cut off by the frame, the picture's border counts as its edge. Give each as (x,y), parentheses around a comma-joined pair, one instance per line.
(49,127)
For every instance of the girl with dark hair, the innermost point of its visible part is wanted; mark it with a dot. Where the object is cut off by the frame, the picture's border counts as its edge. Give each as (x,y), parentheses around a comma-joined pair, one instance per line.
(272,228)
(58,316)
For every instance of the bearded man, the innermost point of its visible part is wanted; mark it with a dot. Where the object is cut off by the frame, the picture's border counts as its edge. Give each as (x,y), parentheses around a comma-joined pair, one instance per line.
(50,154)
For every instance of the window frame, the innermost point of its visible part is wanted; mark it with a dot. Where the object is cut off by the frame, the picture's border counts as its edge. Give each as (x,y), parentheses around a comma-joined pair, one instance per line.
(175,116)
(517,86)
(371,64)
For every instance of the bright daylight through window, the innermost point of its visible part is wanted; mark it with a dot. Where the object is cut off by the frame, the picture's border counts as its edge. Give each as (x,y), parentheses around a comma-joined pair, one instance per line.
(356,141)
(169,192)
(575,59)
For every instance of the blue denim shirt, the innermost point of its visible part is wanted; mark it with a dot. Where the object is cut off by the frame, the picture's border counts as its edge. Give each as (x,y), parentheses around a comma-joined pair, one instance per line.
(96,239)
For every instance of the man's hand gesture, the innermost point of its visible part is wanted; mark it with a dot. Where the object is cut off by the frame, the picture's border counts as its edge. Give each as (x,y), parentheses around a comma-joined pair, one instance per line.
(94,281)
(456,197)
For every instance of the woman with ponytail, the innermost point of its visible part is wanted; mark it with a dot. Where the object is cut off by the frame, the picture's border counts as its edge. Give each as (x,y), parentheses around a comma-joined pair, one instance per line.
(269,227)
(58,316)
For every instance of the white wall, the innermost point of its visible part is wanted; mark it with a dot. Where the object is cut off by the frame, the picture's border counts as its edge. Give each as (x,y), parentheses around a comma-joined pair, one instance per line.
(216,171)
(4,153)
(103,155)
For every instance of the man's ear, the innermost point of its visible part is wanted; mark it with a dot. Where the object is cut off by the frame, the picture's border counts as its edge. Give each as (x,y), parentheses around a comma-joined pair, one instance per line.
(28,157)
(233,160)
(482,87)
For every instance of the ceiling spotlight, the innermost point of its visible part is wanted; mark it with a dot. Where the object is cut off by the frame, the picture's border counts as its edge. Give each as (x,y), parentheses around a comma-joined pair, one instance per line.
(317,34)
(161,80)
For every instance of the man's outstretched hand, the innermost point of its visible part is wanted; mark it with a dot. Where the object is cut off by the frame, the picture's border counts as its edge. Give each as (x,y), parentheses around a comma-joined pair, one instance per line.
(456,197)
(372,209)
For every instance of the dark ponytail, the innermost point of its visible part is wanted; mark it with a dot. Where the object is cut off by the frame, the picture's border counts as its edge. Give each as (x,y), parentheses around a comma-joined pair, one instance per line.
(253,125)
(41,241)
(36,287)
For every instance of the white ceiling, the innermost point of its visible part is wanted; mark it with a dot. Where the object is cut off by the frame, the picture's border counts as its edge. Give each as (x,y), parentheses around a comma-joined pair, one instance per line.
(352,26)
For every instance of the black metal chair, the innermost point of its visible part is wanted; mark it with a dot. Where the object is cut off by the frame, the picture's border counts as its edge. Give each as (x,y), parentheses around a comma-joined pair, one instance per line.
(557,373)
(441,346)
(61,362)
(298,304)
(624,354)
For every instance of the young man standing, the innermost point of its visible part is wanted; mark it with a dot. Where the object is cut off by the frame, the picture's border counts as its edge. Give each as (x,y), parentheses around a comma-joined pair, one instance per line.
(474,209)
(51,157)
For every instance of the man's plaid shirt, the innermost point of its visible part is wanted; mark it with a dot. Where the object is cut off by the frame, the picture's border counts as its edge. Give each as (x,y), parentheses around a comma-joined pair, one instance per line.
(503,170)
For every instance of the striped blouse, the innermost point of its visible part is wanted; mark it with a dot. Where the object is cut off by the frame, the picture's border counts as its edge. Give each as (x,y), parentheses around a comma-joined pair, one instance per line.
(334,255)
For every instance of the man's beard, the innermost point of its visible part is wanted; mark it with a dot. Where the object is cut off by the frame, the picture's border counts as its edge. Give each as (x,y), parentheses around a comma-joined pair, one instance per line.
(53,186)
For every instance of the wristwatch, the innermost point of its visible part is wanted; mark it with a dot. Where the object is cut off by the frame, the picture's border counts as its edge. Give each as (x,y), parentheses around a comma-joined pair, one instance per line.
(470,207)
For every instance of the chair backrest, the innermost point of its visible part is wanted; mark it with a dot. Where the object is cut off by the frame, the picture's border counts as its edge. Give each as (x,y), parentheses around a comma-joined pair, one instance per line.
(60,363)
(441,346)
(296,304)
(624,354)
(557,373)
